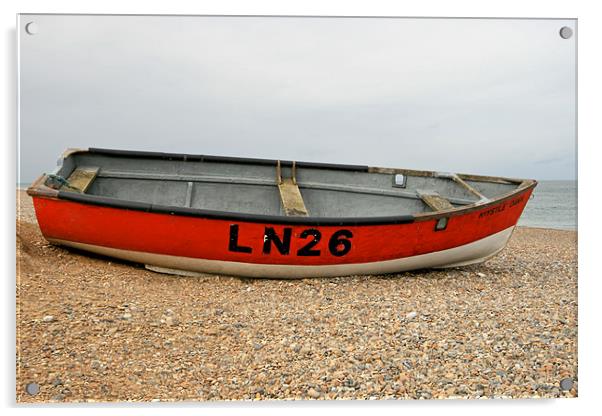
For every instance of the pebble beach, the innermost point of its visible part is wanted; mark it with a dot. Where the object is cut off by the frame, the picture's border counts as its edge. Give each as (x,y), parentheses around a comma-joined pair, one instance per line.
(94,329)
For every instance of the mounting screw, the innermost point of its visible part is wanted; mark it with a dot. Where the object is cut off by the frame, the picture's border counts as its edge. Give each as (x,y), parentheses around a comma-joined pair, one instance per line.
(31,28)
(566,384)
(32,388)
(566,32)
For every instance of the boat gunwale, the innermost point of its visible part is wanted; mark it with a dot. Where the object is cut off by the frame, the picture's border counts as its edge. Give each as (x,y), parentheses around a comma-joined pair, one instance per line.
(39,189)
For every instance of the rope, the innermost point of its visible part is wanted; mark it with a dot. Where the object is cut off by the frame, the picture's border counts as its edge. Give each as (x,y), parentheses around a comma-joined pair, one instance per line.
(59,181)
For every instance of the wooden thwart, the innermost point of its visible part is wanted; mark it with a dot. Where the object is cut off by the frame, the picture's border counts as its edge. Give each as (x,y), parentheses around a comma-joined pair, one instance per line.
(469,188)
(291,198)
(435,201)
(290,194)
(81,178)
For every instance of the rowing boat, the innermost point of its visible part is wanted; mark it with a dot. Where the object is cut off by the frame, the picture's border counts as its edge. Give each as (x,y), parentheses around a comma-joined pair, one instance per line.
(183,214)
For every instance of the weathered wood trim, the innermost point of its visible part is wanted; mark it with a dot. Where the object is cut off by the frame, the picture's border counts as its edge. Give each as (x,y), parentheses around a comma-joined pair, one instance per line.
(72,150)
(278,173)
(435,201)
(82,177)
(430,174)
(525,184)
(425,216)
(469,188)
(492,179)
(294,172)
(291,198)
(38,188)
(408,172)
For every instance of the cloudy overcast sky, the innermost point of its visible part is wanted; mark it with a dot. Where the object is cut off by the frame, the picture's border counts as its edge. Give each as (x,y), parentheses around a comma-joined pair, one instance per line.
(484,96)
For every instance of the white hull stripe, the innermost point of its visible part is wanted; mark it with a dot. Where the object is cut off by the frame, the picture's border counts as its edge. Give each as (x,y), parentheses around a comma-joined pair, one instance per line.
(475,252)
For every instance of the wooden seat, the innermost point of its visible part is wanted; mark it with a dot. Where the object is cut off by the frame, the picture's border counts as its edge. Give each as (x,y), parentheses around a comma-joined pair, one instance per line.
(291,198)
(81,178)
(435,201)
(290,194)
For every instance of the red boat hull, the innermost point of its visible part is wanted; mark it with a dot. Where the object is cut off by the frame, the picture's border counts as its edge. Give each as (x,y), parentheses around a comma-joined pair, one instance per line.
(280,250)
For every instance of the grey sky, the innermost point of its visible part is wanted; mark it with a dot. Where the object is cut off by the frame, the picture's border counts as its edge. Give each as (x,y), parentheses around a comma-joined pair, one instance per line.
(483,96)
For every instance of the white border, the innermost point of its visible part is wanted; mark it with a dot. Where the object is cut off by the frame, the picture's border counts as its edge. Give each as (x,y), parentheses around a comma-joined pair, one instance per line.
(590,68)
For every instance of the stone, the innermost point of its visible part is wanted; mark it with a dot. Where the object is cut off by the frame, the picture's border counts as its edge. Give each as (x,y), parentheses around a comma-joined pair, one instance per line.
(411,315)
(171,320)
(566,384)
(313,393)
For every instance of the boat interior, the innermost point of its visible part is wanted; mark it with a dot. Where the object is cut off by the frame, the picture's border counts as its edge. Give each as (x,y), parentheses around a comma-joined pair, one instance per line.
(269,187)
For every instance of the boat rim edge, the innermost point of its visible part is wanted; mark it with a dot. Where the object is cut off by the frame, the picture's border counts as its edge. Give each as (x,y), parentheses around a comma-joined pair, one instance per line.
(39,189)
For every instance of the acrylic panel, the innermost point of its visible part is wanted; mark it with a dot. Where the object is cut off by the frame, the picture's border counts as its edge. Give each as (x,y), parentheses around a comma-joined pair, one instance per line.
(490,97)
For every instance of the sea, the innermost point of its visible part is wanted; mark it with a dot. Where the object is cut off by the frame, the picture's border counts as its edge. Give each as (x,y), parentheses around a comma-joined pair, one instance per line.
(553,204)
